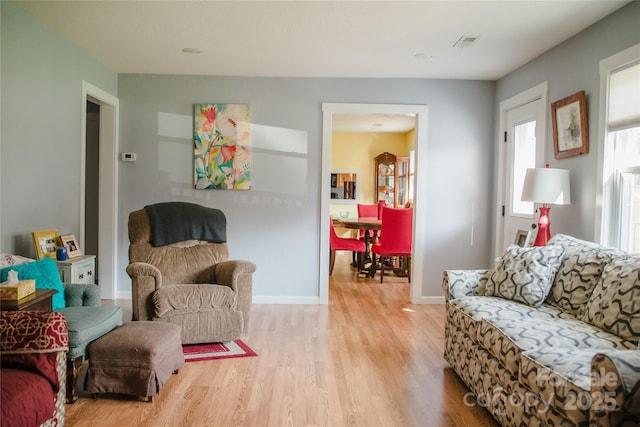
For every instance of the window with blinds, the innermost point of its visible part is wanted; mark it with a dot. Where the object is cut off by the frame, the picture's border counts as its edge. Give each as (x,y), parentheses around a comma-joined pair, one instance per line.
(621,163)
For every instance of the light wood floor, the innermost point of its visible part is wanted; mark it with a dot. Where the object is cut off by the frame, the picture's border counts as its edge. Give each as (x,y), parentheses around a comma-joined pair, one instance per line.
(368,358)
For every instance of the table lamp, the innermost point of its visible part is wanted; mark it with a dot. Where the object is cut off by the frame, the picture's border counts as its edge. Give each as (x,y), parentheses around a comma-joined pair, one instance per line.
(546,186)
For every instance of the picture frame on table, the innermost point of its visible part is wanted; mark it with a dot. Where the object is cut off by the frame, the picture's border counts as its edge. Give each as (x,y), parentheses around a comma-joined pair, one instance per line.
(45,243)
(523,238)
(570,128)
(71,244)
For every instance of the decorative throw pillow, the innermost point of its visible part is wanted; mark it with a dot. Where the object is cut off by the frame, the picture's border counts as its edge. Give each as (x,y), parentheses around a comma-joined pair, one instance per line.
(578,274)
(525,275)
(9,259)
(615,303)
(45,273)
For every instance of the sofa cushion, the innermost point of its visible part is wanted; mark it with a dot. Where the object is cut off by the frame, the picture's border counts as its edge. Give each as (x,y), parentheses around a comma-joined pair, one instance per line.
(468,312)
(26,398)
(45,273)
(177,299)
(615,303)
(525,274)
(560,376)
(578,273)
(506,339)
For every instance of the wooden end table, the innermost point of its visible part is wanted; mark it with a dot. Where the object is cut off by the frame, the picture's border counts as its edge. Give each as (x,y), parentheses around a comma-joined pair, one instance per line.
(38,301)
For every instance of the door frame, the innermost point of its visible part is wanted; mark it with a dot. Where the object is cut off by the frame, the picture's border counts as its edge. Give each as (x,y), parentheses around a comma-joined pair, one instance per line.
(419,209)
(108,185)
(538,92)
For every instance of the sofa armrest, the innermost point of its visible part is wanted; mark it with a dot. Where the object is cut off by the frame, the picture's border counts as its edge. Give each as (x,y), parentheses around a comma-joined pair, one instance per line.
(32,332)
(459,283)
(615,388)
(237,274)
(145,279)
(81,295)
(37,341)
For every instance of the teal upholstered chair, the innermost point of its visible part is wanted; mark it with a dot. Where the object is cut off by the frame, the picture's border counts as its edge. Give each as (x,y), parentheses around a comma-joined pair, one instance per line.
(87,320)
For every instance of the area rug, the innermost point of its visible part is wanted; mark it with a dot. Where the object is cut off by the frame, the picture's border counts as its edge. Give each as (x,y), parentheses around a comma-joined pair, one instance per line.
(220,350)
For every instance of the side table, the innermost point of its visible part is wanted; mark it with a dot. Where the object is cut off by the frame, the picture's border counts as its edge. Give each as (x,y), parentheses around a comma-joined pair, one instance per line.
(80,269)
(38,301)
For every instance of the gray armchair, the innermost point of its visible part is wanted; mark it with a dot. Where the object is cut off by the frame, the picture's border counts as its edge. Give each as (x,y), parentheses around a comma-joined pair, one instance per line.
(190,283)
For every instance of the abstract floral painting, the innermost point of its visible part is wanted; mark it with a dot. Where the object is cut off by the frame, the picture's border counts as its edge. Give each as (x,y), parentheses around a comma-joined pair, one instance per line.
(222,146)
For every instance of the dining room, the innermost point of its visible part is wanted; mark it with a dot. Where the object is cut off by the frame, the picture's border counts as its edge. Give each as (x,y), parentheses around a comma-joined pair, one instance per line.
(372,166)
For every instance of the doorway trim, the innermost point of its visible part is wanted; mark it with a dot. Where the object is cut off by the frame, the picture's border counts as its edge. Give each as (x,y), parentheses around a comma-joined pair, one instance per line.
(419,227)
(538,92)
(108,185)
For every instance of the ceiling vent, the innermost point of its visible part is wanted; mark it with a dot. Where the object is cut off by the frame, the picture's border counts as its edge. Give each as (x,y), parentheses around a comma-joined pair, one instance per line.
(466,41)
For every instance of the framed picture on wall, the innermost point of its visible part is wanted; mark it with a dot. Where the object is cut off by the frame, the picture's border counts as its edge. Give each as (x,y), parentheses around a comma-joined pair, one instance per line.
(570,130)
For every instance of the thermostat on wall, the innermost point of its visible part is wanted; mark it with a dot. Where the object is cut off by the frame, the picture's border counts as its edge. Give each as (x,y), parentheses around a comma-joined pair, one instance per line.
(128,157)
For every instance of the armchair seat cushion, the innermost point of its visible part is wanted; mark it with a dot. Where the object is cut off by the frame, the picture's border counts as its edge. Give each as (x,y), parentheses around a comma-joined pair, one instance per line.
(87,324)
(179,299)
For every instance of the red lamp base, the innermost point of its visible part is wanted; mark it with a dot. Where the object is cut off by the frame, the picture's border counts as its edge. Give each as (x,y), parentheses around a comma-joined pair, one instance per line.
(544,228)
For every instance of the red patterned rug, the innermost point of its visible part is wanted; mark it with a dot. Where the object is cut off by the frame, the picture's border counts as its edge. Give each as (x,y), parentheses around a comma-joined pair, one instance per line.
(220,350)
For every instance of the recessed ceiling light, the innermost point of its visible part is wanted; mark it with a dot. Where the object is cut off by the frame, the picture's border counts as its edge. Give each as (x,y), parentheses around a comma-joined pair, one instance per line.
(376,125)
(422,55)
(191,50)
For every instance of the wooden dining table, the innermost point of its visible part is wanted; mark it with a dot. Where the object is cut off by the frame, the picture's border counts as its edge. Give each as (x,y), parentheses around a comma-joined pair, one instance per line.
(371,225)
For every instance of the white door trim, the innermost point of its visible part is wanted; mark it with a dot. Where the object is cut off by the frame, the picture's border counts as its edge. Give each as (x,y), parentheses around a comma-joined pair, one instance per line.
(420,202)
(108,185)
(539,92)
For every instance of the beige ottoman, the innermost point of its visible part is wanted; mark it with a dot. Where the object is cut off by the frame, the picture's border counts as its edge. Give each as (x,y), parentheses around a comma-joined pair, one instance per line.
(135,359)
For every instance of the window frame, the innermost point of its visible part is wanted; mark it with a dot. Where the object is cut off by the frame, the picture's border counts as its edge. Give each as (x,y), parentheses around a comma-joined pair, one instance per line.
(609,195)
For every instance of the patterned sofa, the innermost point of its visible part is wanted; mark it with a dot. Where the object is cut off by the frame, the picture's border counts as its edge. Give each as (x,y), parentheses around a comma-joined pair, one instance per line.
(550,337)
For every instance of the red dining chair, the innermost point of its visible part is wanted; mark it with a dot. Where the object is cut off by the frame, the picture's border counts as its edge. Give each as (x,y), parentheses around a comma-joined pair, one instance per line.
(396,235)
(337,243)
(366,211)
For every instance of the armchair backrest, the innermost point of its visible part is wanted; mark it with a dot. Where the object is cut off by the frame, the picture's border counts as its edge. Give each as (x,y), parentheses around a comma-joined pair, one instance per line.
(191,261)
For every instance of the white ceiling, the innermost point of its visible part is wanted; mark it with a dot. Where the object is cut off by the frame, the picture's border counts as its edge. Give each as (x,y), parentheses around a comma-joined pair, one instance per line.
(402,39)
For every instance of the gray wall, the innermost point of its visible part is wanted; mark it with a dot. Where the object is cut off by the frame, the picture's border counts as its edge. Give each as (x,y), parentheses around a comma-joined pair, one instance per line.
(569,68)
(276,223)
(41,118)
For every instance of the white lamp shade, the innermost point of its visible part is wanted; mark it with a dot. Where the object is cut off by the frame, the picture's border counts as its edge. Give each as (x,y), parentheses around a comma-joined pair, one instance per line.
(546,185)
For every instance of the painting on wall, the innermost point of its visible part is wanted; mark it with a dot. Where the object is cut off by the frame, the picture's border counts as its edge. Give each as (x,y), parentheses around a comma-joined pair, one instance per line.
(222,146)
(570,129)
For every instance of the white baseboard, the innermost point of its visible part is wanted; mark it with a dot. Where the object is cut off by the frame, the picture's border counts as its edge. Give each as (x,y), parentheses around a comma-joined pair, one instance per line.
(430,300)
(257,299)
(123,295)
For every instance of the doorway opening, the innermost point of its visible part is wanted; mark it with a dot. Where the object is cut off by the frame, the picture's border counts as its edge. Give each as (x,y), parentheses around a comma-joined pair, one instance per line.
(92,187)
(98,184)
(330,111)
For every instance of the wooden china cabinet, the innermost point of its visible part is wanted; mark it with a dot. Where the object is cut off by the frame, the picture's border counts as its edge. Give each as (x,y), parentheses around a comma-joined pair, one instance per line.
(392,179)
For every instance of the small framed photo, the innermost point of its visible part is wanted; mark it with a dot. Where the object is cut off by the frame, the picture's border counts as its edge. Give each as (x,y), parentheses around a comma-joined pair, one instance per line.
(45,243)
(523,238)
(570,130)
(71,244)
